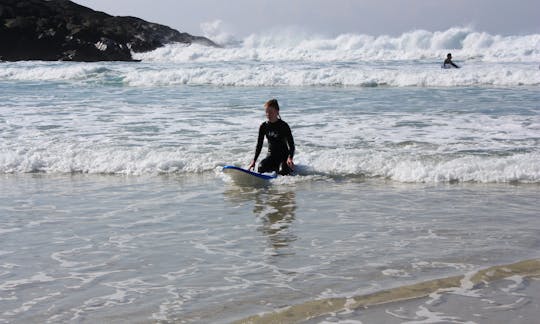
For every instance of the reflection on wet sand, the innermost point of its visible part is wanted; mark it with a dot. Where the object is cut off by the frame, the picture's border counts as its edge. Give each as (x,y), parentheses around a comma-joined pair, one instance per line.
(275,208)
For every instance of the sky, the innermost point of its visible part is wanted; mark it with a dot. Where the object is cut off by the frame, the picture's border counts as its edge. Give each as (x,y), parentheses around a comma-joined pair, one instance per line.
(333,17)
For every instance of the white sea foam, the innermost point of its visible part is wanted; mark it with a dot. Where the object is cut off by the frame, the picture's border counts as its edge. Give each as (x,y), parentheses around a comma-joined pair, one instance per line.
(27,306)
(275,74)
(39,277)
(291,58)
(463,148)
(400,273)
(400,167)
(292,45)
(394,75)
(426,316)
(52,71)
(137,118)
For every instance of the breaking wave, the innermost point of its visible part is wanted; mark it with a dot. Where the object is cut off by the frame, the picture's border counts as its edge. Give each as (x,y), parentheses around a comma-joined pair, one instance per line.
(290,58)
(292,45)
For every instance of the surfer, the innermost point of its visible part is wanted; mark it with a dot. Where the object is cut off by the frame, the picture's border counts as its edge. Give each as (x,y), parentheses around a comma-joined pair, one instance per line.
(280,142)
(448,62)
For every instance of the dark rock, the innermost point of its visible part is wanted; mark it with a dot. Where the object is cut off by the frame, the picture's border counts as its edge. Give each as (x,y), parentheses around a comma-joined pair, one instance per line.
(62,30)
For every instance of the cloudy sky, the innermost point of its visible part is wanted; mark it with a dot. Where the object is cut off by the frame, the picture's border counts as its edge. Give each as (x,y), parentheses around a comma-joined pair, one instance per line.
(333,17)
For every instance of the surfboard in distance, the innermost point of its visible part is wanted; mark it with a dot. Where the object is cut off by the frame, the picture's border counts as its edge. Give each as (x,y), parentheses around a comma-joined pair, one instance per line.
(246,177)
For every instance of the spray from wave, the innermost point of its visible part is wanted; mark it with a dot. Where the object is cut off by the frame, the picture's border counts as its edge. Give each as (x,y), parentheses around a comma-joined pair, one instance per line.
(218,32)
(292,45)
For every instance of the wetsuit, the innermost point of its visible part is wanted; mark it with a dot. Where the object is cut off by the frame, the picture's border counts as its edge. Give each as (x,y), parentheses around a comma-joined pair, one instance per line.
(280,147)
(448,62)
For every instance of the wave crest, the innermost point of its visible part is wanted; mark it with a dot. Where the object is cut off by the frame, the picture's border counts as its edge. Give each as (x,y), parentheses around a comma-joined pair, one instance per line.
(520,168)
(293,45)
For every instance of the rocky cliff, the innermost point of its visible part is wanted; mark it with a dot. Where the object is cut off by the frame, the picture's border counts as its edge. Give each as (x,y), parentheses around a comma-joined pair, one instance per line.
(62,30)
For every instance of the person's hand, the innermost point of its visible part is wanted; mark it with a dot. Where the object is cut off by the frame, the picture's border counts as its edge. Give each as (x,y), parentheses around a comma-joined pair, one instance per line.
(290,163)
(251,165)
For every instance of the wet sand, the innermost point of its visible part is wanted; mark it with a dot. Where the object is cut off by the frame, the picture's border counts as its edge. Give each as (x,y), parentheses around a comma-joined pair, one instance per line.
(500,294)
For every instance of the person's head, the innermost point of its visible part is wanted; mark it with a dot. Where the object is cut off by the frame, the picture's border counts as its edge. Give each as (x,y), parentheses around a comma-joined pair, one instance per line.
(449,55)
(271,108)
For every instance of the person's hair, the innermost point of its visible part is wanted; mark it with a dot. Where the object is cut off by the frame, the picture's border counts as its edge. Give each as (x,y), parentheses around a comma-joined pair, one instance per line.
(449,54)
(272,103)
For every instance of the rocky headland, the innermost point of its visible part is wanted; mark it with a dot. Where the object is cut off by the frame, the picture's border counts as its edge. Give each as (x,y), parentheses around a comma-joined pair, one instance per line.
(61,30)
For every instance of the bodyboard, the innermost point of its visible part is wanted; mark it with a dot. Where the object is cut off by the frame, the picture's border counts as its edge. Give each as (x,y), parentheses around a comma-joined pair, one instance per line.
(246,177)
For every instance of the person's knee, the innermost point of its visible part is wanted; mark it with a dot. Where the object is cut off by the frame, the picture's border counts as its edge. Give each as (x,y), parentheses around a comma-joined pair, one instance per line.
(285,170)
(262,167)
(267,165)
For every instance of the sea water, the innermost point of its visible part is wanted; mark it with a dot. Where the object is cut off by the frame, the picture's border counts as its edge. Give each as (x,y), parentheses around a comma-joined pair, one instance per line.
(114,208)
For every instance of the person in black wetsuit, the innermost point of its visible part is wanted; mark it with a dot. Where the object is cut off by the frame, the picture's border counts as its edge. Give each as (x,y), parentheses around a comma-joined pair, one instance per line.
(448,62)
(280,142)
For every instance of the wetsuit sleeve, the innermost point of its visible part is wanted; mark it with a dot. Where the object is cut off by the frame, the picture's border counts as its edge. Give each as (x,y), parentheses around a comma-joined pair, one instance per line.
(260,141)
(447,61)
(290,142)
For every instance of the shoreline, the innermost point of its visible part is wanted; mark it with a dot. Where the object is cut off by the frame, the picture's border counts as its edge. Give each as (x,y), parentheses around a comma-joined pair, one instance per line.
(471,281)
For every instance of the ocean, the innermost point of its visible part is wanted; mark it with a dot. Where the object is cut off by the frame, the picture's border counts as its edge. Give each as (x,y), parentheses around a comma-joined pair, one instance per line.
(415,198)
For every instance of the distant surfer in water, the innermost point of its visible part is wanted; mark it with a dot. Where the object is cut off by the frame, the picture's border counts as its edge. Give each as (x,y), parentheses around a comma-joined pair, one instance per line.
(280,142)
(448,62)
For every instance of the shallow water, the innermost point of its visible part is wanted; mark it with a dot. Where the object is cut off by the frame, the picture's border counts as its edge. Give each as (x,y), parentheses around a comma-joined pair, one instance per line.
(200,249)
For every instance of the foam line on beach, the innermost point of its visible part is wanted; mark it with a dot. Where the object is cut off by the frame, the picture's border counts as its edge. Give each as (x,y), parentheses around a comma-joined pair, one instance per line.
(469,281)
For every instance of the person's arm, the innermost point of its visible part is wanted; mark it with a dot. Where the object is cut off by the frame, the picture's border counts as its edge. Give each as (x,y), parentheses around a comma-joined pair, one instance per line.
(259,146)
(454,65)
(290,143)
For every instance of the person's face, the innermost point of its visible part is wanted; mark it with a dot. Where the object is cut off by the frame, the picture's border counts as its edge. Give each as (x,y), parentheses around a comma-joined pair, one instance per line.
(271,113)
